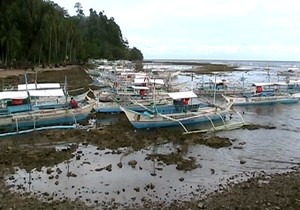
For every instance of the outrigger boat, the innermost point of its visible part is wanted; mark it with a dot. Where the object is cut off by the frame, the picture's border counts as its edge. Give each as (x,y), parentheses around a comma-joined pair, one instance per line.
(49,95)
(211,87)
(17,112)
(140,94)
(184,113)
(264,94)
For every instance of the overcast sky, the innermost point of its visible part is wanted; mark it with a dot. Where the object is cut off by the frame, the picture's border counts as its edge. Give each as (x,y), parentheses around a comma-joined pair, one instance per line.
(205,29)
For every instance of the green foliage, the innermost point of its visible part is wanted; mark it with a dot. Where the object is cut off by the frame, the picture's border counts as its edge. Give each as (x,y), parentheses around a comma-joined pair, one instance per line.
(42,32)
(135,54)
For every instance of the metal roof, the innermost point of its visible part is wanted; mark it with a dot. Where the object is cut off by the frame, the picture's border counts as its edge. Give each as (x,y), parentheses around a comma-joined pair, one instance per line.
(146,80)
(38,86)
(13,95)
(180,95)
(46,93)
(263,84)
(140,88)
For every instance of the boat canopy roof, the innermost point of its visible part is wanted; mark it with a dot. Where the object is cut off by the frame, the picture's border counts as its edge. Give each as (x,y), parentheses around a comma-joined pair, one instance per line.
(146,80)
(13,95)
(218,81)
(263,84)
(293,69)
(183,94)
(140,87)
(281,83)
(293,82)
(38,86)
(47,93)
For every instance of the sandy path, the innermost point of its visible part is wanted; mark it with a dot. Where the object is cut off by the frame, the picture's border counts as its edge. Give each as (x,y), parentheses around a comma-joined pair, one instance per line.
(15,72)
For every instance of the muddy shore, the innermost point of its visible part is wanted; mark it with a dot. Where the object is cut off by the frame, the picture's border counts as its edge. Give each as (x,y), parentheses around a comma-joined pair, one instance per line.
(279,191)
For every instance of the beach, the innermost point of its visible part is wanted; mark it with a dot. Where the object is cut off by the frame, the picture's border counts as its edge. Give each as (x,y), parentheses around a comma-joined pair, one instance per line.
(36,151)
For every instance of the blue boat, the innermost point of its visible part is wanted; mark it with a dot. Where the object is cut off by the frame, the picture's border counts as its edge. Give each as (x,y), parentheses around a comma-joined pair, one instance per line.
(18,113)
(181,115)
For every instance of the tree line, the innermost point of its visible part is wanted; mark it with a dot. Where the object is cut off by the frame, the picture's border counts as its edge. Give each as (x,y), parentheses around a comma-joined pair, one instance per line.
(42,32)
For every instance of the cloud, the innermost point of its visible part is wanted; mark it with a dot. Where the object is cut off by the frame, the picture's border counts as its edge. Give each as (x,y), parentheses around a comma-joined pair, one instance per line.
(235,29)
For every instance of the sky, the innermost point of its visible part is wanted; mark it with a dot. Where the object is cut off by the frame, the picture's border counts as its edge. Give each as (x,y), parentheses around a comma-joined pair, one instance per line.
(205,29)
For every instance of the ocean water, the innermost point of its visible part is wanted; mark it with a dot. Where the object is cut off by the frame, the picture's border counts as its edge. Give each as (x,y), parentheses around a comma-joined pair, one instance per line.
(251,71)
(253,152)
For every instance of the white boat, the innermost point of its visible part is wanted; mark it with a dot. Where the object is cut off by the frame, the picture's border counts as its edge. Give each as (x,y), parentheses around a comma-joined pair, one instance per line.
(28,118)
(32,107)
(290,72)
(264,94)
(218,87)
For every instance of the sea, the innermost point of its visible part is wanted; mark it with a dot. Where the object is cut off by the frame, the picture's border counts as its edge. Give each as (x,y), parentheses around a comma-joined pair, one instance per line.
(254,152)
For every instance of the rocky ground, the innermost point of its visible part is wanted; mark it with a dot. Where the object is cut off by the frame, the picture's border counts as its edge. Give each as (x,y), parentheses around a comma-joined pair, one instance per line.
(281,191)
